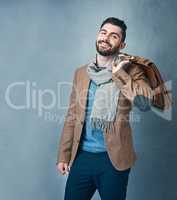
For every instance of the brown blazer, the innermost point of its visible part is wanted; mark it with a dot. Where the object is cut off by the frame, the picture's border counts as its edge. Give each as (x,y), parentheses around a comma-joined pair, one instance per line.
(119,143)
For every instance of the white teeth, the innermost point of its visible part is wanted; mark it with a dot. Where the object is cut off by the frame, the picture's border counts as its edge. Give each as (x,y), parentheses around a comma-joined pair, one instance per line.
(104,44)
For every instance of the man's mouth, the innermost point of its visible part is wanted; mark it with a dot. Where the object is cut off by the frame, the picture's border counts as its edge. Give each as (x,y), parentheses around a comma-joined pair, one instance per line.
(104,44)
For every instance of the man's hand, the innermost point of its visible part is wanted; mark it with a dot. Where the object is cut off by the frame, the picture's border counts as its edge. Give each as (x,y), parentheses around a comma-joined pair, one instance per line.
(116,67)
(63,168)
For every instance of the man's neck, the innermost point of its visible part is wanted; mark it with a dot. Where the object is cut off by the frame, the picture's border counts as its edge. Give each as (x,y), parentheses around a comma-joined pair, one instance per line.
(104,61)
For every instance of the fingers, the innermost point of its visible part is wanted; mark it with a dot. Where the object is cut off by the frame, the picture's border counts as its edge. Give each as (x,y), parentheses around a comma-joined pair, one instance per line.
(124,62)
(66,168)
(116,67)
(63,168)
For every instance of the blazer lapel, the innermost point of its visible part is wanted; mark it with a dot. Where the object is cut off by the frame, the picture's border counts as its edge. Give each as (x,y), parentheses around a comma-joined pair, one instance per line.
(85,81)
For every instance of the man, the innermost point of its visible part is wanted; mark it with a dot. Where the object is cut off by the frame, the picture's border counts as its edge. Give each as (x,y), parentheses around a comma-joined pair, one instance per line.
(96,146)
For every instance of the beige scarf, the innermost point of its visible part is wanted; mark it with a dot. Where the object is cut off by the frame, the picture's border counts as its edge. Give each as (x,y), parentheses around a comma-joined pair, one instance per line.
(106,97)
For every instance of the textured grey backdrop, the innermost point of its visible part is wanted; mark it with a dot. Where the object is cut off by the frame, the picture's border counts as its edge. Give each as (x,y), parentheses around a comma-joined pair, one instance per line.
(41,44)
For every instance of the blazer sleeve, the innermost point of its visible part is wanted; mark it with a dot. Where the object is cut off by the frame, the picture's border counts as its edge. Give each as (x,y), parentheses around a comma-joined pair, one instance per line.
(66,139)
(134,86)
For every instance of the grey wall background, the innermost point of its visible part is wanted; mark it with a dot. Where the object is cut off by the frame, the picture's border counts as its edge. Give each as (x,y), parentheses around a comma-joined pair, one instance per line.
(41,44)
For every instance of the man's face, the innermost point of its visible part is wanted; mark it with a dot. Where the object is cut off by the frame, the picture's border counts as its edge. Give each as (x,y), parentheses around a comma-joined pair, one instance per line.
(109,40)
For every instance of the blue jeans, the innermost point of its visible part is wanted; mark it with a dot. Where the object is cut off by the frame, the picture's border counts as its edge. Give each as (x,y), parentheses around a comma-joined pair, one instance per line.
(91,171)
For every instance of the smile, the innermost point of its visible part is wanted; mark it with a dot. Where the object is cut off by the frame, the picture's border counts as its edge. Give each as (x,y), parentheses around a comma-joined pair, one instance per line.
(103,44)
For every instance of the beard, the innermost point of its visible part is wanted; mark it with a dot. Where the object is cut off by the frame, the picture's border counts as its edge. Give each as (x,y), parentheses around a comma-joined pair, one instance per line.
(106,52)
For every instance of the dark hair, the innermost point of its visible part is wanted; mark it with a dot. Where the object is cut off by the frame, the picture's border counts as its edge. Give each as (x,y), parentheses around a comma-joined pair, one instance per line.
(116,22)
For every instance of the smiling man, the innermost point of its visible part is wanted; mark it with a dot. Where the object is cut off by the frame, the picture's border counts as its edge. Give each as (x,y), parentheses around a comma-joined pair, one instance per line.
(96,147)
(110,40)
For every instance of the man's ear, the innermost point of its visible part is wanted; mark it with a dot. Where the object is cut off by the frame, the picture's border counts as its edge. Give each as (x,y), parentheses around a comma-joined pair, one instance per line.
(122,45)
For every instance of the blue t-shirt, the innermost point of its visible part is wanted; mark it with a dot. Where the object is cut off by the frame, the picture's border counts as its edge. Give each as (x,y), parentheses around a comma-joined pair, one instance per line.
(92,140)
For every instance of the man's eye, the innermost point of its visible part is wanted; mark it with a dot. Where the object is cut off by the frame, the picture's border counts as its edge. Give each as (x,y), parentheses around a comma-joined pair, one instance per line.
(114,36)
(103,33)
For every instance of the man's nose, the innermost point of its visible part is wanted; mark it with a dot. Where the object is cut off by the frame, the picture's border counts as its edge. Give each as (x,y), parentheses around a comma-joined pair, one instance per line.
(106,38)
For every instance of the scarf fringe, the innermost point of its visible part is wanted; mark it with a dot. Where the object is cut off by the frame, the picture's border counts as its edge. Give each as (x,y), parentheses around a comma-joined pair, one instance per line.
(102,124)
(104,110)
